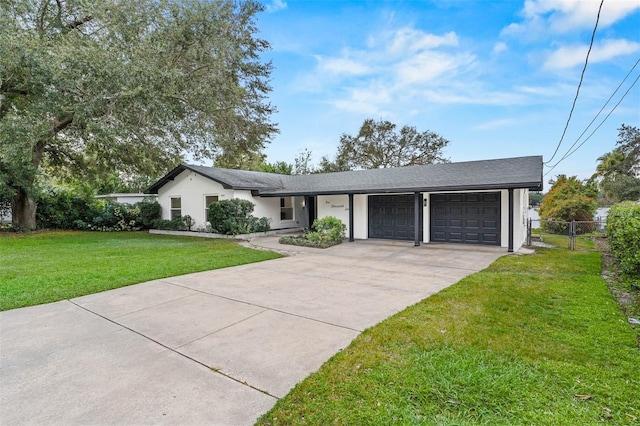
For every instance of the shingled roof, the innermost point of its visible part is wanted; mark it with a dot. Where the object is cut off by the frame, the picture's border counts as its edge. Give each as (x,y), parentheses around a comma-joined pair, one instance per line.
(519,172)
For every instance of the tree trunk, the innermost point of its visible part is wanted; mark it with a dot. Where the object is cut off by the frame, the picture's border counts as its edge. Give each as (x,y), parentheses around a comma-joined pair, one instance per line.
(23,211)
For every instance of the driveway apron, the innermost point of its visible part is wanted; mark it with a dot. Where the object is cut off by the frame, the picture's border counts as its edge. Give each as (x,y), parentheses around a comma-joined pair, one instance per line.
(215,347)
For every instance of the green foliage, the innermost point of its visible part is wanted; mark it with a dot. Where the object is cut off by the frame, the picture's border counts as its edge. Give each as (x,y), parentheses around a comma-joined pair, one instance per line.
(61,208)
(175,224)
(327,229)
(233,217)
(302,240)
(279,167)
(623,233)
(46,267)
(150,211)
(378,144)
(326,232)
(302,163)
(115,217)
(93,88)
(535,198)
(568,199)
(619,187)
(188,222)
(617,170)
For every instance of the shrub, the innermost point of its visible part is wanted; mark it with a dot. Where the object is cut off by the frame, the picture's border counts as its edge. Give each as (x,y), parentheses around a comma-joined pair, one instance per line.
(188,222)
(150,211)
(328,228)
(233,217)
(327,232)
(568,199)
(61,208)
(623,233)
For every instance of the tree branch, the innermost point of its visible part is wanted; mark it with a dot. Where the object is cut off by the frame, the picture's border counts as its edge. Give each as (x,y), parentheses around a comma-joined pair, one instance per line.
(59,124)
(78,22)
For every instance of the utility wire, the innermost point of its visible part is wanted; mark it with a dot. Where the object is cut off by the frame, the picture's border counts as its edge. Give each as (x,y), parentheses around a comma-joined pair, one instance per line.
(568,154)
(586,61)
(599,112)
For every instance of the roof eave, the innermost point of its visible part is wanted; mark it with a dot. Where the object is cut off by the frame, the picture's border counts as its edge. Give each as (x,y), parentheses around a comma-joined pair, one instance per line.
(534,186)
(153,189)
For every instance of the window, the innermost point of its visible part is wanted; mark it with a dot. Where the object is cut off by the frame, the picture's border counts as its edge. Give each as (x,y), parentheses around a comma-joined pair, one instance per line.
(286,208)
(176,207)
(208,200)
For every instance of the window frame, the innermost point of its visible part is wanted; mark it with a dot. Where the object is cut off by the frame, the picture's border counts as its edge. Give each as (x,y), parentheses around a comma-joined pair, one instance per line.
(206,205)
(284,209)
(173,209)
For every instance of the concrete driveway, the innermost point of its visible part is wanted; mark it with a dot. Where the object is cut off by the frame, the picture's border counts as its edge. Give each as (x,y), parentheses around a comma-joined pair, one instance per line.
(216,347)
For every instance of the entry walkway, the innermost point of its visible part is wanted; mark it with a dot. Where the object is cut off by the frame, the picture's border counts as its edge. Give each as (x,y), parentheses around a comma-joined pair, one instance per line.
(216,347)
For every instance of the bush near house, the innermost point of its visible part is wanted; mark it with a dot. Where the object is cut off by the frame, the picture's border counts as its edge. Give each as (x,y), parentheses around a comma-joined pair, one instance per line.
(60,208)
(623,233)
(233,217)
(568,200)
(327,232)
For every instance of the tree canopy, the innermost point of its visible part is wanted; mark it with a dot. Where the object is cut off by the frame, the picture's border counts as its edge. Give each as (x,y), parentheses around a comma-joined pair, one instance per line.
(379,144)
(125,86)
(569,199)
(618,171)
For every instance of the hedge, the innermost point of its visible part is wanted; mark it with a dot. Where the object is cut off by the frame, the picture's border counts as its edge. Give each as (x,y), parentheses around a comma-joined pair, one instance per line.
(623,233)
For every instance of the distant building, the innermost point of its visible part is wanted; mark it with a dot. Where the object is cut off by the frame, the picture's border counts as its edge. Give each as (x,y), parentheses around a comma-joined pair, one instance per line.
(125,198)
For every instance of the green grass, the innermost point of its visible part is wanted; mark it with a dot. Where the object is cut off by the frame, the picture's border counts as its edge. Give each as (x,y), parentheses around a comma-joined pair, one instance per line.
(47,267)
(533,339)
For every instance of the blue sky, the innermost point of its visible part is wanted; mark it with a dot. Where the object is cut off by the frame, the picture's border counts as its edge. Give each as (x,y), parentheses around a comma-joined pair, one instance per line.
(496,78)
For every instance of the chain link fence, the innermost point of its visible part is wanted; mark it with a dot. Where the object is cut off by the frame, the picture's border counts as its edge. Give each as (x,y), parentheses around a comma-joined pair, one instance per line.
(575,235)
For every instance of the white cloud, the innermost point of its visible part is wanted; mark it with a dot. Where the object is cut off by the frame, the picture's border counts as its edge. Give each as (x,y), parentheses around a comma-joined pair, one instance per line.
(570,56)
(542,17)
(276,5)
(496,124)
(342,66)
(371,100)
(392,67)
(430,65)
(500,47)
(408,40)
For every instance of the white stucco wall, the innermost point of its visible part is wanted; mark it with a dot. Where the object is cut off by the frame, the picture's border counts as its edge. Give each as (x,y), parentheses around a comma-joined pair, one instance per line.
(521,213)
(336,206)
(360,216)
(520,217)
(192,188)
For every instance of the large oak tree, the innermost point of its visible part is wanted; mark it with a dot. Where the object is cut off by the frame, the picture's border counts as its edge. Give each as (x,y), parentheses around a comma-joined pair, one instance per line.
(379,144)
(125,86)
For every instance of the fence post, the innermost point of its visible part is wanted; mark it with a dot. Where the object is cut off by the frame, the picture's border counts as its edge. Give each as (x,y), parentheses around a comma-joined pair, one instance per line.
(572,235)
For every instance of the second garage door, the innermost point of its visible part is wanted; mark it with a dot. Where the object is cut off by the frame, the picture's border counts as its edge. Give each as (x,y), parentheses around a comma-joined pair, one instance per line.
(466,218)
(392,217)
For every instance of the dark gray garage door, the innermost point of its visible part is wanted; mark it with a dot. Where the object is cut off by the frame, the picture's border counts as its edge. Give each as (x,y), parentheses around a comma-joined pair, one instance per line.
(391,217)
(472,218)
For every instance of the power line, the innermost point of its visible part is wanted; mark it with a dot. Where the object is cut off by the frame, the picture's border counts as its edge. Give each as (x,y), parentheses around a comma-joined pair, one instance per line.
(599,112)
(586,61)
(569,153)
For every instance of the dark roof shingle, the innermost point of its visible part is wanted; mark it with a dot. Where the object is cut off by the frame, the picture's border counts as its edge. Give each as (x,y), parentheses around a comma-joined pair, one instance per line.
(505,173)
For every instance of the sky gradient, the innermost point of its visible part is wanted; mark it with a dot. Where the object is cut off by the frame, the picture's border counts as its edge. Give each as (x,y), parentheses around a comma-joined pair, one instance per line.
(496,78)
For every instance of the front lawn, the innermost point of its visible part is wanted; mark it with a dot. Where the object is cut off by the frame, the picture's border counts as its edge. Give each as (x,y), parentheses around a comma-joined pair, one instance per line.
(51,266)
(533,339)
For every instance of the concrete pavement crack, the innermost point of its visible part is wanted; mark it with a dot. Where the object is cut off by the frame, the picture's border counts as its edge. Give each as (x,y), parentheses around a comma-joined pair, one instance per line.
(216,371)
